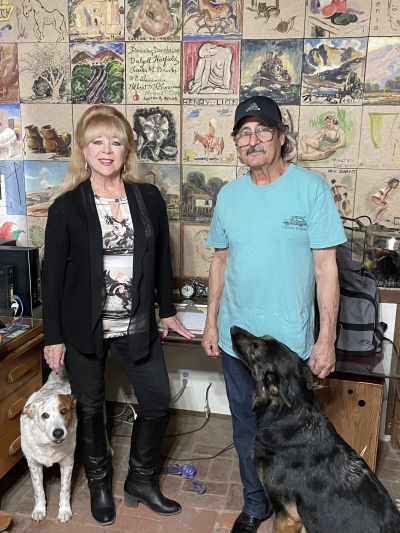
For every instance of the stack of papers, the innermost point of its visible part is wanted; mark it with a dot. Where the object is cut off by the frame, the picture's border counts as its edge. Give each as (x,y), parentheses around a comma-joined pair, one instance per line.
(194,321)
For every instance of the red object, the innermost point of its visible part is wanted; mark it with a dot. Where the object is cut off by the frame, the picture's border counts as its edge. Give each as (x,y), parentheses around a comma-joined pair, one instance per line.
(336,6)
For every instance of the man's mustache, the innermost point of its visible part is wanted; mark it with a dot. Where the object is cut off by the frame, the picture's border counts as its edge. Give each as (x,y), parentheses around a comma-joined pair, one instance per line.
(256,148)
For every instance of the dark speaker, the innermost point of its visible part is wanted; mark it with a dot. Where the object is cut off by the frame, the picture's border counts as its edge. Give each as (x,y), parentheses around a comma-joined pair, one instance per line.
(25,260)
(6,286)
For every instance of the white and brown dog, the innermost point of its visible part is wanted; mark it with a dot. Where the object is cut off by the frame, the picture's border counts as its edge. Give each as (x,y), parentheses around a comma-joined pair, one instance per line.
(48,436)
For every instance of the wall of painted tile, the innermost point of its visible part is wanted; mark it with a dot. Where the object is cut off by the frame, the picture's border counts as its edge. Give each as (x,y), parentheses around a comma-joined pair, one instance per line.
(177,69)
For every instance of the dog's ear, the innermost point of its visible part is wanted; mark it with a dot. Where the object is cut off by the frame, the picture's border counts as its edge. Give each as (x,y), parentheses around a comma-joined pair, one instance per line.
(73,401)
(29,410)
(305,372)
(277,386)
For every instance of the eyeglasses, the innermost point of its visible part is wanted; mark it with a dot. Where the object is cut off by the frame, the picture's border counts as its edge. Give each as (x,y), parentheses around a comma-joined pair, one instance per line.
(263,134)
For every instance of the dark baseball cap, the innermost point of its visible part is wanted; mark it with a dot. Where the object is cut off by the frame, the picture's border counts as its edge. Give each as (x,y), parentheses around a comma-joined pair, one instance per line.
(261,107)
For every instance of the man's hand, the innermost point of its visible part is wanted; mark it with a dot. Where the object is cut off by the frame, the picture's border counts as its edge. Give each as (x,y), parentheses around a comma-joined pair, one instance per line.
(322,359)
(176,325)
(54,355)
(210,341)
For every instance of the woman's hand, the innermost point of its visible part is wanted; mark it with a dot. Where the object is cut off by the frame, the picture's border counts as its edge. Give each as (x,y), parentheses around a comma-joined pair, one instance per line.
(176,325)
(54,355)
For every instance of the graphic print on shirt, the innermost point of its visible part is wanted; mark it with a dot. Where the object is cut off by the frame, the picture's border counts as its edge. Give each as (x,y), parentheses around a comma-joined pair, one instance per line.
(118,239)
(296,223)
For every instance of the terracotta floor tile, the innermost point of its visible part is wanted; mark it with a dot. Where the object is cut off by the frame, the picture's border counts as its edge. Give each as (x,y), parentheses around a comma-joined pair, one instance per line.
(212,512)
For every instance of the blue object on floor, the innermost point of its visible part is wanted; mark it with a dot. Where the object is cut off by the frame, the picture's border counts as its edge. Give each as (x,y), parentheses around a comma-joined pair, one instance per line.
(188,471)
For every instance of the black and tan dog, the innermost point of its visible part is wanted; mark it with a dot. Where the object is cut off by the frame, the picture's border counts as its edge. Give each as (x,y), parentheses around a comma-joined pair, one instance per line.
(315,481)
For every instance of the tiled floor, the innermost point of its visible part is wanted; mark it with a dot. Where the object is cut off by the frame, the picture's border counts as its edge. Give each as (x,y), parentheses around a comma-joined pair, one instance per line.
(212,512)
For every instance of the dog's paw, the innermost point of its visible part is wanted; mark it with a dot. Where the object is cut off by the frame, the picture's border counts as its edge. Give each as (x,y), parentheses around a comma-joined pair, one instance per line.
(39,513)
(64,514)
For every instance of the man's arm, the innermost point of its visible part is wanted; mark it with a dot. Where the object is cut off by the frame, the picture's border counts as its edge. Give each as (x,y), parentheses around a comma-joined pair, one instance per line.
(215,286)
(322,358)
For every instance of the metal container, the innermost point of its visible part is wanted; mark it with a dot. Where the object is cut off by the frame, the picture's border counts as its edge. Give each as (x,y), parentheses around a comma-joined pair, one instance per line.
(382,255)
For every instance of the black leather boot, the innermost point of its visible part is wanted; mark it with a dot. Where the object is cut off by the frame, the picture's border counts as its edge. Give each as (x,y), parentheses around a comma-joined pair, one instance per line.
(92,445)
(141,484)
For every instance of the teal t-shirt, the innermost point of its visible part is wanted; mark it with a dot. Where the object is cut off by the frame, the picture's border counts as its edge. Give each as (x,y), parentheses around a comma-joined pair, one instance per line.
(270,231)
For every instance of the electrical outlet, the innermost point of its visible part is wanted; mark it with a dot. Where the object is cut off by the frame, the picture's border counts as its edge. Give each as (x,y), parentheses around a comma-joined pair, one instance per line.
(185,374)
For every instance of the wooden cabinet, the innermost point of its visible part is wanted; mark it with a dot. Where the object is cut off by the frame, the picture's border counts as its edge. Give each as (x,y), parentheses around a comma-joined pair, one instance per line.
(353,404)
(20,376)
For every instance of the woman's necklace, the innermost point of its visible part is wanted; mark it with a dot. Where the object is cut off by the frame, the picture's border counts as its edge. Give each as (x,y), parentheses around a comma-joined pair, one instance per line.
(115,206)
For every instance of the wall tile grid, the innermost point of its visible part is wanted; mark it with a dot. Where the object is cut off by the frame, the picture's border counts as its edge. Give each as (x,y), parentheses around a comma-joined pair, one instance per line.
(177,70)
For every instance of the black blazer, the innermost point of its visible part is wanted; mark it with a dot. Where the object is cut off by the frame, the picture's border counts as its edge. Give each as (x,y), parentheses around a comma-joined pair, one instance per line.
(73,287)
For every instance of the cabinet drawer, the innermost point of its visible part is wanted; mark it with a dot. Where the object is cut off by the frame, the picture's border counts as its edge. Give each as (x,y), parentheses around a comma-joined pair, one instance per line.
(19,370)
(10,449)
(11,407)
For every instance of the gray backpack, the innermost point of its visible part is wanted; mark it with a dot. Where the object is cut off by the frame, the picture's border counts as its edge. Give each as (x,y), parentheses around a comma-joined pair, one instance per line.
(359,332)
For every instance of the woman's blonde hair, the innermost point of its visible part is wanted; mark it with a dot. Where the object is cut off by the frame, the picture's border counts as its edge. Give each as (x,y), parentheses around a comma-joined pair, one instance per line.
(98,121)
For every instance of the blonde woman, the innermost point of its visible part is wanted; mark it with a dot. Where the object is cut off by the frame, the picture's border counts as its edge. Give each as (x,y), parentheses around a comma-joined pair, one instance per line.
(106,256)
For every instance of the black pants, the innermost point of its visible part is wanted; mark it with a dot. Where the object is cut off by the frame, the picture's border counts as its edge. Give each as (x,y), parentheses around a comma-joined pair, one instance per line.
(148,377)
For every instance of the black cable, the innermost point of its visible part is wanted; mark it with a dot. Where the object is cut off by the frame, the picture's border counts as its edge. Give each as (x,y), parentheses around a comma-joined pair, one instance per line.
(229,447)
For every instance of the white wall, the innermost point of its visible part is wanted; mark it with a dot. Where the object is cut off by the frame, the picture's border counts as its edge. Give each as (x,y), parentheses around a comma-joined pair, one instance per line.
(204,370)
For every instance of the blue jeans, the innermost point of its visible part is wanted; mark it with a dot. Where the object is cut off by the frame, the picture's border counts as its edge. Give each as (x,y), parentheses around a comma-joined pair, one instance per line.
(240,386)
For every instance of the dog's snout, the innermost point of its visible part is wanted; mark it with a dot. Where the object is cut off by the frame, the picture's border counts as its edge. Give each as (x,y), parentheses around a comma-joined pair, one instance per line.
(58,433)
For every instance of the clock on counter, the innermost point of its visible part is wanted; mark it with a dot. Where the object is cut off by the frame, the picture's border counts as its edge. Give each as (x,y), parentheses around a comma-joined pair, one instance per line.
(194,288)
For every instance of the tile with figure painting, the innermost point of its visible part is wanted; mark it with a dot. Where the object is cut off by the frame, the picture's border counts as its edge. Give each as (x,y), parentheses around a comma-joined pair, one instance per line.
(329,136)
(153,20)
(196,255)
(207,137)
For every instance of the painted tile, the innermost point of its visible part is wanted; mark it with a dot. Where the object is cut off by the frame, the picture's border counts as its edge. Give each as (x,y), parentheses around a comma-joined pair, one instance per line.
(343,186)
(382,76)
(9,78)
(97,75)
(207,137)
(44,73)
(371,188)
(290,117)
(10,131)
(36,229)
(33,21)
(380,146)
(273,20)
(200,189)
(241,170)
(153,73)
(333,71)
(385,19)
(205,18)
(13,227)
(153,20)
(12,194)
(175,243)
(167,179)
(157,132)
(329,136)
(325,18)
(98,20)
(272,68)
(47,131)
(211,72)
(41,179)
(196,256)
